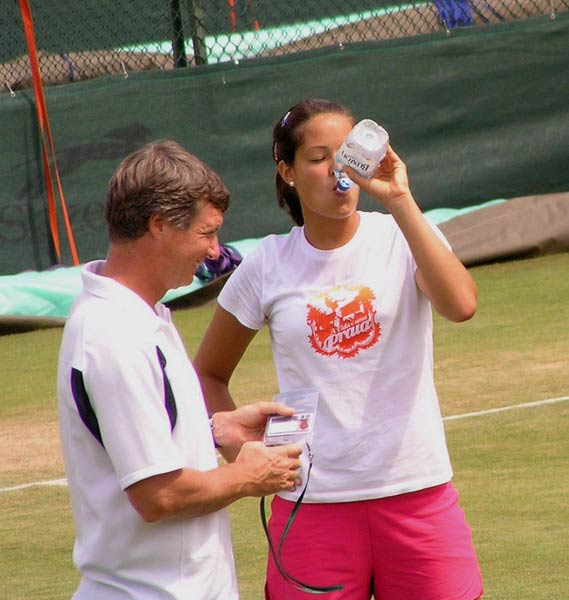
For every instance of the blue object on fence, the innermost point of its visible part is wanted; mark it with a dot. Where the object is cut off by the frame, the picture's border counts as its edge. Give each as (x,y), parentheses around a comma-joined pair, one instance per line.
(454,13)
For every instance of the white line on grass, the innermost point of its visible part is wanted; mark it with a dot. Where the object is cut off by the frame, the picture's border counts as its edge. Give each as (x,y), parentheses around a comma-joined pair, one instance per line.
(490,411)
(23,486)
(479,413)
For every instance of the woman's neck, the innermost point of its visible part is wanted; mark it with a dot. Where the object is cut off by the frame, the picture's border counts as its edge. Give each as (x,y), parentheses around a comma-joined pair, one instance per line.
(328,234)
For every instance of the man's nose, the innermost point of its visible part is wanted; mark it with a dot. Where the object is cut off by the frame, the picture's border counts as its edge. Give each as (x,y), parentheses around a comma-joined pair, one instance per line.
(214,252)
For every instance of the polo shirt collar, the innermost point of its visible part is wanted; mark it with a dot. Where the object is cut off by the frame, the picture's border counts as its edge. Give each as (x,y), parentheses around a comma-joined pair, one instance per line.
(112,290)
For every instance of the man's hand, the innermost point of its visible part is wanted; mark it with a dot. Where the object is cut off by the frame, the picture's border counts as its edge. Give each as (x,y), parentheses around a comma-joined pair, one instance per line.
(246,424)
(269,469)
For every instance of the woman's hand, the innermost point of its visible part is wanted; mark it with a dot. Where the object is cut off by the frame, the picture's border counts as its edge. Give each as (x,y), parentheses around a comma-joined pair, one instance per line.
(389,184)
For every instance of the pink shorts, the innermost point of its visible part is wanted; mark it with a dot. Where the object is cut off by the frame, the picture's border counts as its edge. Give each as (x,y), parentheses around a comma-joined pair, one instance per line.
(415,546)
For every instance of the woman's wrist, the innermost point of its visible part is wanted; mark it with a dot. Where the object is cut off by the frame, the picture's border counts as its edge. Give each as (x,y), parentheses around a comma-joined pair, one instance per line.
(404,204)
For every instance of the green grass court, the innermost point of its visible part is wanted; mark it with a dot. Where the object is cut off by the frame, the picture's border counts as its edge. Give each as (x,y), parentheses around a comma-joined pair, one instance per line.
(511,467)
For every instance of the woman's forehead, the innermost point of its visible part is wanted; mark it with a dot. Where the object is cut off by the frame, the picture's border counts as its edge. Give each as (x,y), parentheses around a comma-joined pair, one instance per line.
(323,128)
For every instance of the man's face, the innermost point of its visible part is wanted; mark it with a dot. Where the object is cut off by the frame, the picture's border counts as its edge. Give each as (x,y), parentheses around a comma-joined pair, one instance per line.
(187,248)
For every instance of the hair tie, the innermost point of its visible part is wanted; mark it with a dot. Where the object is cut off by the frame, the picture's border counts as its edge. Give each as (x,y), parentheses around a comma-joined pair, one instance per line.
(275,153)
(284,119)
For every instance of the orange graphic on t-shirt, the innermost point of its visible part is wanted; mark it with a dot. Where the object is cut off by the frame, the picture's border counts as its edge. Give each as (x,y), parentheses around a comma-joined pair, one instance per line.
(343,321)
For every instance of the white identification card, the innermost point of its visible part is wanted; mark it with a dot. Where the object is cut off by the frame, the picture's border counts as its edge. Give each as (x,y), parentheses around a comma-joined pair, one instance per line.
(296,429)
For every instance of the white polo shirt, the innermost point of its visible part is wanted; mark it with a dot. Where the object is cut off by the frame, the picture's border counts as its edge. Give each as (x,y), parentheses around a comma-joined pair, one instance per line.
(110,346)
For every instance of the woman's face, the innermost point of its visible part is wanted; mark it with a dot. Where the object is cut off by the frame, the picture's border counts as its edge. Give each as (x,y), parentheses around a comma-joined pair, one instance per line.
(313,169)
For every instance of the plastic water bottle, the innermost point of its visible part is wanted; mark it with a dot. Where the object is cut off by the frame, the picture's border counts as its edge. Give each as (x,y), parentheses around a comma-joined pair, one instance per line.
(362,150)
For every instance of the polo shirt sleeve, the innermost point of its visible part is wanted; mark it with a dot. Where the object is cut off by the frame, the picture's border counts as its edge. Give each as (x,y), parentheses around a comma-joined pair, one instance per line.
(125,385)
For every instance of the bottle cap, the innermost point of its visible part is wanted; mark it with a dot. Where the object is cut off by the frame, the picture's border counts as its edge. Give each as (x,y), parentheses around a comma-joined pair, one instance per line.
(344,184)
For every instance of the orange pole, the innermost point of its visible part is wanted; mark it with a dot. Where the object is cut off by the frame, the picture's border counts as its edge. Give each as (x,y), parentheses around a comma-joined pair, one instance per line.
(47,141)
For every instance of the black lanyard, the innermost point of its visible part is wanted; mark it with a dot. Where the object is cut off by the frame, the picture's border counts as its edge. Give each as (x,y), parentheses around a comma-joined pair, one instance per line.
(297,583)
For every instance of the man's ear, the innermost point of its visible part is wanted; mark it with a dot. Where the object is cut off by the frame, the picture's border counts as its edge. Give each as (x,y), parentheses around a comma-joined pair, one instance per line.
(156,226)
(285,171)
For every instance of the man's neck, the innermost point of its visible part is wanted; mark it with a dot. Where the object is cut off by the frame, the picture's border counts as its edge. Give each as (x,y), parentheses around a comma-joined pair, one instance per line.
(131,265)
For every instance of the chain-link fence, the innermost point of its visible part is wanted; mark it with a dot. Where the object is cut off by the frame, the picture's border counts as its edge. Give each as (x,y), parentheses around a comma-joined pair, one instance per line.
(83,40)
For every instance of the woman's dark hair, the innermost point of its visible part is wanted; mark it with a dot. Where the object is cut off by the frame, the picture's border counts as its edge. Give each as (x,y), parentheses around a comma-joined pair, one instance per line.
(287,137)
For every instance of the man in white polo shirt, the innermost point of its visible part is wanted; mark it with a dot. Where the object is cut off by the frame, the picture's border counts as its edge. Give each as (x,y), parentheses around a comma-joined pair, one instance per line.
(147,493)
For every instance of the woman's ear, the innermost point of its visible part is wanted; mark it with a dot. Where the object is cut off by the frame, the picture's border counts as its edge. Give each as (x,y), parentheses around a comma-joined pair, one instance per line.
(285,171)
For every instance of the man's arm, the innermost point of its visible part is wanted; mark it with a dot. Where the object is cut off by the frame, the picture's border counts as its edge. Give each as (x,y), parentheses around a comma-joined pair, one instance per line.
(257,471)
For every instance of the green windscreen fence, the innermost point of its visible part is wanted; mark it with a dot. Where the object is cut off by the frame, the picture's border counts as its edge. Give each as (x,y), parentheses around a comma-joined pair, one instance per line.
(478,115)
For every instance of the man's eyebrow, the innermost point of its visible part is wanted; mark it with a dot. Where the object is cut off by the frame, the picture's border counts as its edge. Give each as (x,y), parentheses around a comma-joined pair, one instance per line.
(211,228)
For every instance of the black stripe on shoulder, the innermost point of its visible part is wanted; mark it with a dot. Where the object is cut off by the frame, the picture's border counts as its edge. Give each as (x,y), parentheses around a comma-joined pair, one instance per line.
(83,404)
(169,399)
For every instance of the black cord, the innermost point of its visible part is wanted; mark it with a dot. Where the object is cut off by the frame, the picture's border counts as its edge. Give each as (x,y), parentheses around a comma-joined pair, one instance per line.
(297,583)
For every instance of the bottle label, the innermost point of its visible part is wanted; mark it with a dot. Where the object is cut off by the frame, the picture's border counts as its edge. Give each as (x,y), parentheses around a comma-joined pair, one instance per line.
(359,163)
(362,150)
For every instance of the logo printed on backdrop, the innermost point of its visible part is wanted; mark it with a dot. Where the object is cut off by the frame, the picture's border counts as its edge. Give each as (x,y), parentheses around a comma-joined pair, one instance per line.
(343,321)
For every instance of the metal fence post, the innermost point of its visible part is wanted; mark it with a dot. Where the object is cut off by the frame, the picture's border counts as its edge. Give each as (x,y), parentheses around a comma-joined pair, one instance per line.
(178,43)
(198,31)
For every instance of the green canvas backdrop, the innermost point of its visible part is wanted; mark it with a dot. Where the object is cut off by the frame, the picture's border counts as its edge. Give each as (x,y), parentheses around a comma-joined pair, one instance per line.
(478,115)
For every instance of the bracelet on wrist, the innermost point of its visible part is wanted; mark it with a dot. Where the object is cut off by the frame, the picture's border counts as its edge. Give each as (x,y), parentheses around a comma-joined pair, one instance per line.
(212,433)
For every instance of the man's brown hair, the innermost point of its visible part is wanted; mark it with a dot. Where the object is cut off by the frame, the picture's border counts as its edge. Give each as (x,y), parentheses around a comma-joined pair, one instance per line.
(164,179)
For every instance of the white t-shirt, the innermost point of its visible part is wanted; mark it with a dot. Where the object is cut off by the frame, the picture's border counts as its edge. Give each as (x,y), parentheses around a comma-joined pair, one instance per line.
(351,323)
(110,338)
